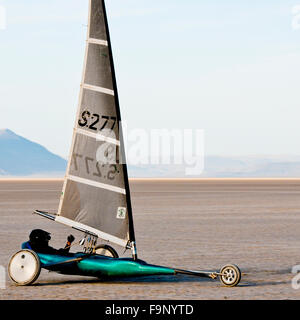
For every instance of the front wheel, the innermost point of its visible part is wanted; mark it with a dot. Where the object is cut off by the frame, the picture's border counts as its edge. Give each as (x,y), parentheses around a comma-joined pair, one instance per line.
(230,275)
(24,267)
(105,250)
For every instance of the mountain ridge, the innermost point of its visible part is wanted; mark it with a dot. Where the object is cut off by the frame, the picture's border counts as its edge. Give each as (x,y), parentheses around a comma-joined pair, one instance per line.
(22,157)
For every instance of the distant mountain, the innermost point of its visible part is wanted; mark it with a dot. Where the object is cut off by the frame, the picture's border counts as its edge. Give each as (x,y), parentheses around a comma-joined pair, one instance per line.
(226,167)
(22,157)
(252,167)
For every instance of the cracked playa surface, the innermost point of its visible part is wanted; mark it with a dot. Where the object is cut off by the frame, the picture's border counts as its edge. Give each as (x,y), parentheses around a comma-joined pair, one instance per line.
(199,224)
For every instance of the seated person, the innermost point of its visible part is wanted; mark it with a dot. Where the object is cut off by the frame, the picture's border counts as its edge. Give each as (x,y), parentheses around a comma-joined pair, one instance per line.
(39,242)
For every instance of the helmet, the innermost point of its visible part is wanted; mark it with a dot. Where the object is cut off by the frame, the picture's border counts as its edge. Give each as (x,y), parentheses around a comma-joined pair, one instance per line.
(39,236)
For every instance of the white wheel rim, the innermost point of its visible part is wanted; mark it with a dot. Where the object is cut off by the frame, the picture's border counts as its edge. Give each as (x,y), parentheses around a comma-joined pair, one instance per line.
(104,252)
(23,267)
(229,275)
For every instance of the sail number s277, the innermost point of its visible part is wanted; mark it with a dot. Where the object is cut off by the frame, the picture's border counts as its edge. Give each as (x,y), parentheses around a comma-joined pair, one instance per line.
(94,168)
(96,122)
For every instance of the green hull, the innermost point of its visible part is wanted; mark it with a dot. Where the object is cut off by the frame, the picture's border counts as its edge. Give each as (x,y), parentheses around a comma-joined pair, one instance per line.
(100,266)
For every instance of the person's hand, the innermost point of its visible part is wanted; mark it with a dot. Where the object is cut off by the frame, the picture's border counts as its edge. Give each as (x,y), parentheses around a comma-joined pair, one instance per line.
(71,238)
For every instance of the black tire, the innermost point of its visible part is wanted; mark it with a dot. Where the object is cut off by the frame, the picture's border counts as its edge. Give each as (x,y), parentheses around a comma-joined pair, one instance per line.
(108,251)
(230,275)
(24,267)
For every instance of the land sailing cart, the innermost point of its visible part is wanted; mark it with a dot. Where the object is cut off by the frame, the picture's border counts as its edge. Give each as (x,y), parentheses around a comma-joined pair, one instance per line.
(96,196)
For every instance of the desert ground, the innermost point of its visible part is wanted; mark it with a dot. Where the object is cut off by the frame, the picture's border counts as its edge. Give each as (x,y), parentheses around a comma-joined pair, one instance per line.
(193,224)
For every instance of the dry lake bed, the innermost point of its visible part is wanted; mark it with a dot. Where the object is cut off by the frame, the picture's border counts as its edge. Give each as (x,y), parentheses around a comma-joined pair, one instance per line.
(193,224)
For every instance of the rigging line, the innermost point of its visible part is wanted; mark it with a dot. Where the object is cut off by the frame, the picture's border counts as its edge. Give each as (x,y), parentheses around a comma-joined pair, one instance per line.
(82,227)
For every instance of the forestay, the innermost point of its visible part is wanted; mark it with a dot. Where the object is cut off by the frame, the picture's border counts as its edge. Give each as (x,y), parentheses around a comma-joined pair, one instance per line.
(96,195)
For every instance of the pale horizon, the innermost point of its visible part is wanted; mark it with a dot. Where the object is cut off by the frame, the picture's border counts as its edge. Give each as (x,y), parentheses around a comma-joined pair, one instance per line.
(230,69)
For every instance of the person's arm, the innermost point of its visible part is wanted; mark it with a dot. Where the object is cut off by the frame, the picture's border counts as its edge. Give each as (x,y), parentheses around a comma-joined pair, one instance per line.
(67,247)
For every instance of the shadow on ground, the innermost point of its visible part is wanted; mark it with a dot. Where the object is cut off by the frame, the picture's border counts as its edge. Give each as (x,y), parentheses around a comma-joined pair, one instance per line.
(131,280)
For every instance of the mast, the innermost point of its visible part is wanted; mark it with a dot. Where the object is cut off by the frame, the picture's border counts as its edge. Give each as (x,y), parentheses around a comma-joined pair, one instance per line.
(121,138)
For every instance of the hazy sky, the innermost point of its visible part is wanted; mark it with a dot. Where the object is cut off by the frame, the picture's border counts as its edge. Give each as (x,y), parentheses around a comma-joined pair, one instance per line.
(230,67)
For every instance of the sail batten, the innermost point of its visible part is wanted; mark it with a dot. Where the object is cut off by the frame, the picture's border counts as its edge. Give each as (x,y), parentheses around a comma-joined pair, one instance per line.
(98,89)
(98,41)
(97,184)
(96,192)
(98,136)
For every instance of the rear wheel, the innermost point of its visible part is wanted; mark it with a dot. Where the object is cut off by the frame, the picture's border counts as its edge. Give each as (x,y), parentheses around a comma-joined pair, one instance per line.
(230,275)
(24,267)
(106,250)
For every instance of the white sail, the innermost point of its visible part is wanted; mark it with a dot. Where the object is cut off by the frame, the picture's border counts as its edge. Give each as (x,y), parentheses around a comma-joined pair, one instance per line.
(96,196)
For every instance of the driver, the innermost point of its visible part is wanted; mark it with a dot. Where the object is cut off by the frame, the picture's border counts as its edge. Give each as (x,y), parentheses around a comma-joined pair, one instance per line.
(39,242)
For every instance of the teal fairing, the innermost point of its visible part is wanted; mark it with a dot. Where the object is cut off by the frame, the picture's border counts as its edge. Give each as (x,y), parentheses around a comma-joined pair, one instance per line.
(97,265)
(100,266)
